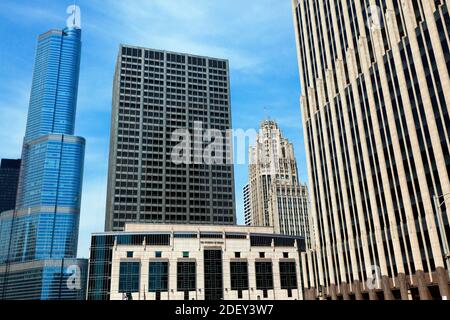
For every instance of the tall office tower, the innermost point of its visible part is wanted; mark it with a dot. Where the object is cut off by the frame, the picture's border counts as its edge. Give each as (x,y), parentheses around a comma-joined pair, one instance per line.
(9,178)
(375,102)
(247,206)
(157,95)
(276,196)
(38,241)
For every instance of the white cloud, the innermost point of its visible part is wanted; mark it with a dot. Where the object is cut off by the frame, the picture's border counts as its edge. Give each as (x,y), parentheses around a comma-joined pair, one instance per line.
(229,29)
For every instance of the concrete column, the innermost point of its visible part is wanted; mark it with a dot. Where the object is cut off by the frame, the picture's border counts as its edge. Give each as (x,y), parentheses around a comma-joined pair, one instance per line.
(357,290)
(310,294)
(172,278)
(386,285)
(252,279)
(403,285)
(345,291)
(422,286)
(443,280)
(333,292)
(372,295)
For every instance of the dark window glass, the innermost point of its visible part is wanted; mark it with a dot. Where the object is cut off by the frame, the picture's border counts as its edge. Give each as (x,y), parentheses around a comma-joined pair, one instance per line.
(284,242)
(239,275)
(260,241)
(158,276)
(264,275)
(288,275)
(235,236)
(185,235)
(211,235)
(213,274)
(129,277)
(186,276)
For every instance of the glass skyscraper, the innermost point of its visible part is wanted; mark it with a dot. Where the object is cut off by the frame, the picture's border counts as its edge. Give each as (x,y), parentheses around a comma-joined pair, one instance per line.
(38,242)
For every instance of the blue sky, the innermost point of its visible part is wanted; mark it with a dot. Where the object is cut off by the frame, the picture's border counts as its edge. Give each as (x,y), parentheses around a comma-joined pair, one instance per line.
(257,36)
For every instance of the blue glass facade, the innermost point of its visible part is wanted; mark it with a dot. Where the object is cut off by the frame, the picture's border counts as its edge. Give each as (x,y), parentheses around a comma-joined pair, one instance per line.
(46,280)
(44,224)
(55,84)
(158,276)
(129,277)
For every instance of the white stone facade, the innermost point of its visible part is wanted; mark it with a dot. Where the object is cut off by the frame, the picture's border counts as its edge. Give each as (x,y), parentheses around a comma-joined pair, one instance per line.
(232,250)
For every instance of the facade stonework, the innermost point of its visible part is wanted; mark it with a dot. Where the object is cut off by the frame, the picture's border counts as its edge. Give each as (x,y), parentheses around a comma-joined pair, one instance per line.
(195,262)
(275,196)
(375,103)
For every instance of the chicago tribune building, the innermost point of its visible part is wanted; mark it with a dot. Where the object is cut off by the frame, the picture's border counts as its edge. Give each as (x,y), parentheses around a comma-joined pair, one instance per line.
(195,262)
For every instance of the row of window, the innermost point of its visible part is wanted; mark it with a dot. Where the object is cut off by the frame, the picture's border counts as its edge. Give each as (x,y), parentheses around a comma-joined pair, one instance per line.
(158,280)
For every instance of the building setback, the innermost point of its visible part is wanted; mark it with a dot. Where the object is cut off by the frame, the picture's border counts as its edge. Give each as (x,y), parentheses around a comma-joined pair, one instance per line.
(277,198)
(9,178)
(156,93)
(39,238)
(247,206)
(375,103)
(195,262)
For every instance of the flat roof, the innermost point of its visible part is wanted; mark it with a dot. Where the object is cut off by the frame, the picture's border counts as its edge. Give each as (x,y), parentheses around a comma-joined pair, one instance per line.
(123,45)
(142,227)
(137,228)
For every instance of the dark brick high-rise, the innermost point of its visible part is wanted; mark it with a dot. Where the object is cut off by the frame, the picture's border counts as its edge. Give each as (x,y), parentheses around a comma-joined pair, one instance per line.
(155,93)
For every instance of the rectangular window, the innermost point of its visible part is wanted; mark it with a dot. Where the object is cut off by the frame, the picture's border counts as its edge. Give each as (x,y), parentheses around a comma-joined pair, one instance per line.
(262,254)
(185,235)
(186,276)
(130,254)
(260,241)
(129,277)
(211,235)
(284,242)
(185,254)
(239,277)
(237,254)
(288,275)
(158,254)
(213,274)
(158,276)
(264,275)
